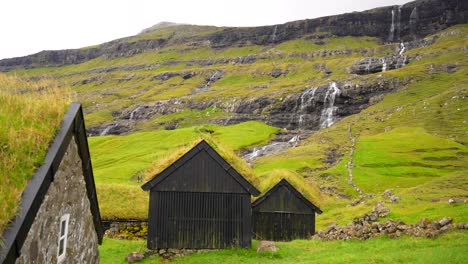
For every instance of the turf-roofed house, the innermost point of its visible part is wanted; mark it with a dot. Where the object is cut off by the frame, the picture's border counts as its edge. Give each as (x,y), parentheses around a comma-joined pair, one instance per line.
(200,201)
(283,213)
(58,219)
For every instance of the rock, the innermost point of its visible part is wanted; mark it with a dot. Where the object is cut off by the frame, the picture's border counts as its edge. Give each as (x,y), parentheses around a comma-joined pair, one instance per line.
(445,228)
(436,225)
(134,257)
(424,223)
(275,73)
(451,201)
(394,199)
(267,246)
(445,221)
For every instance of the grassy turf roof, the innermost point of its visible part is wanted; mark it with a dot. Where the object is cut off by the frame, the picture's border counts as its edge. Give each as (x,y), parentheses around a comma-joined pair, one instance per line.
(309,191)
(30,115)
(236,162)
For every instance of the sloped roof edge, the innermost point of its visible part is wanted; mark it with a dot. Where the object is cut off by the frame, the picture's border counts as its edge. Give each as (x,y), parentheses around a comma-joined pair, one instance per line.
(203,145)
(36,189)
(285,183)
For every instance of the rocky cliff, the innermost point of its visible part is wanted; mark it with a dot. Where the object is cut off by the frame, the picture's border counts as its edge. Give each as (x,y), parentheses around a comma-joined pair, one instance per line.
(390,24)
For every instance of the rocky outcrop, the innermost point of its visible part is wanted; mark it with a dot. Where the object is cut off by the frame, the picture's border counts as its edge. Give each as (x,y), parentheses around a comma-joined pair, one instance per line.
(367,227)
(109,50)
(314,108)
(392,23)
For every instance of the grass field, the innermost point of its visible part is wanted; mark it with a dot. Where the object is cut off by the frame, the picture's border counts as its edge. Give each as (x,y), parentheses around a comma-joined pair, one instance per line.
(448,248)
(118,160)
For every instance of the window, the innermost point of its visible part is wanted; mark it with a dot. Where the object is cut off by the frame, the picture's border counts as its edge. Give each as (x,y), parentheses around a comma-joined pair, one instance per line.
(62,243)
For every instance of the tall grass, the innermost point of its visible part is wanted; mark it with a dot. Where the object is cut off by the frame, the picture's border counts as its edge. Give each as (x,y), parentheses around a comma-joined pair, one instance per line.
(30,114)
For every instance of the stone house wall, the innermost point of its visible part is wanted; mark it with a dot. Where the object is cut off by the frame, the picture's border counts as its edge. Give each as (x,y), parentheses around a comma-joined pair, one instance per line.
(66,195)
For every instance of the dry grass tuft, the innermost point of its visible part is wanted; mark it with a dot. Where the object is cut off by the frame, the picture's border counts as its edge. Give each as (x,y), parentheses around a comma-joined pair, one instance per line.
(30,115)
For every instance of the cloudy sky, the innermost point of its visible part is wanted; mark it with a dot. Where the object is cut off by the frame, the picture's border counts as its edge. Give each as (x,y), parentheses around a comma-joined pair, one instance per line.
(29,26)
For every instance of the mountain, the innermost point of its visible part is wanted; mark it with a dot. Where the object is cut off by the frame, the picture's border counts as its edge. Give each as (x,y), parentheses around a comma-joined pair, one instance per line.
(358,104)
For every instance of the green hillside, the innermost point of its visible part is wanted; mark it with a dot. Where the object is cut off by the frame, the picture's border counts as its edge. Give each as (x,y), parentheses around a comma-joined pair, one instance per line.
(411,138)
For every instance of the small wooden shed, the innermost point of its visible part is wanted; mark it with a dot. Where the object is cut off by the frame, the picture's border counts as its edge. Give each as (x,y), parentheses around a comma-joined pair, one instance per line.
(200,201)
(283,214)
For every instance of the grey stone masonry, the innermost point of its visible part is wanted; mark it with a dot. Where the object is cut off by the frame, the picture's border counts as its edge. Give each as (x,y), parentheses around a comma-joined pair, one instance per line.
(66,195)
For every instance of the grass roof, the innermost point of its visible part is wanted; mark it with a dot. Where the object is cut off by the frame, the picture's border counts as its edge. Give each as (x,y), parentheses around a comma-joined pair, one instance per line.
(309,191)
(225,152)
(30,115)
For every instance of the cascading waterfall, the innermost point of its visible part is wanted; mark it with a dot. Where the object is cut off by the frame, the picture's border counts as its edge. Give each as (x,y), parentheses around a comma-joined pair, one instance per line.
(401,61)
(307,99)
(273,36)
(392,27)
(369,64)
(327,117)
(107,129)
(402,48)
(384,64)
(398,28)
(132,114)
(272,148)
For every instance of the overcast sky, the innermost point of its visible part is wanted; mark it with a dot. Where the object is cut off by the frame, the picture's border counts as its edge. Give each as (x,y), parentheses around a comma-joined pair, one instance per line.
(29,26)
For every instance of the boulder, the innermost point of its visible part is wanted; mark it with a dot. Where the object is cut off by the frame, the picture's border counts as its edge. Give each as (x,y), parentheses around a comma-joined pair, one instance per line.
(134,257)
(267,246)
(445,221)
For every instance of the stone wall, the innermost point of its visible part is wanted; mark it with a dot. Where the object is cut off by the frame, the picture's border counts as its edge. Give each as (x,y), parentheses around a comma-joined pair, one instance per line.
(66,195)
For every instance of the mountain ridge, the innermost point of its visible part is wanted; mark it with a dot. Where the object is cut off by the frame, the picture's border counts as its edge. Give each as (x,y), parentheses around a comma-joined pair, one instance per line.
(410,21)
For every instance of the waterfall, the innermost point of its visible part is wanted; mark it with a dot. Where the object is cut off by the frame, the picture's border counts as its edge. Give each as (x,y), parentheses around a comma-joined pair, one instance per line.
(384,64)
(402,48)
(307,100)
(271,148)
(132,114)
(401,62)
(106,130)
(273,36)
(369,63)
(392,27)
(329,108)
(399,23)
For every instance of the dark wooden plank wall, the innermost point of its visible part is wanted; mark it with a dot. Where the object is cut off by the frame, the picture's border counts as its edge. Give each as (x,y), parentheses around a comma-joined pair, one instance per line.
(283,226)
(201,174)
(199,220)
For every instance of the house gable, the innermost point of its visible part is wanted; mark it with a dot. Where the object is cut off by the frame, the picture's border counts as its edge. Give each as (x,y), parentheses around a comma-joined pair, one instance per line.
(283,197)
(201,173)
(201,169)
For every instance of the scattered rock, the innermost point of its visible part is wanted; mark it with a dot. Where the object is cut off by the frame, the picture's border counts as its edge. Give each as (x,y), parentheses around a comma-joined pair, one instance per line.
(134,257)
(267,246)
(445,221)
(275,73)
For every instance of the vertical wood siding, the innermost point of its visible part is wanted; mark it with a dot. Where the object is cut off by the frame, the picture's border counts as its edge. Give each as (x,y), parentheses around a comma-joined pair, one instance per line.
(199,220)
(280,226)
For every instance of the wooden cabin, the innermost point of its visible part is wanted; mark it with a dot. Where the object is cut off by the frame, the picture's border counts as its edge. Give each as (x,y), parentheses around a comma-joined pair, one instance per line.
(58,220)
(283,214)
(200,201)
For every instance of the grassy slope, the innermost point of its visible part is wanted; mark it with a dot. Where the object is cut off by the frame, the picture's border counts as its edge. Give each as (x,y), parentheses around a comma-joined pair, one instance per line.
(449,248)
(414,142)
(117,160)
(30,114)
(401,141)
